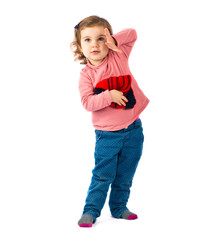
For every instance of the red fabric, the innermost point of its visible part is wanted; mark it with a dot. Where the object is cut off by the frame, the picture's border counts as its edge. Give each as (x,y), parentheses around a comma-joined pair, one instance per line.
(120,83)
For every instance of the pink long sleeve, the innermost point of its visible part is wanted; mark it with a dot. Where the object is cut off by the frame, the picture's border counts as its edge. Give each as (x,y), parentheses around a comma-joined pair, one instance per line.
(90,101)
(126,40)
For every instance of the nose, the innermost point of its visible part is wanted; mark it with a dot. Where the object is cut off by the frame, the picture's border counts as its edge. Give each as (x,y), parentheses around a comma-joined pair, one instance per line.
(94,43)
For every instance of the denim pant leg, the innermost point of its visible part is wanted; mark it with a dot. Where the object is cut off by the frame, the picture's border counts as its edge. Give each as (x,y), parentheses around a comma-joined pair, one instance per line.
(106,155)
(128,160)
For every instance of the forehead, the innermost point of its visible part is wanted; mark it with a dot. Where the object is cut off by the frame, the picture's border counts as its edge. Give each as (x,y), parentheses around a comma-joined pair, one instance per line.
(92,31)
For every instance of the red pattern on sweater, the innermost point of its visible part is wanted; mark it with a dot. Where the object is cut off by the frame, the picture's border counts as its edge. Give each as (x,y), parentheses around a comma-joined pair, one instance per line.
(121,83)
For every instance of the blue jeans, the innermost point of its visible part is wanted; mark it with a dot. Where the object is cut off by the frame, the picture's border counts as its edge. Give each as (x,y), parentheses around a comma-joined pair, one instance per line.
(117,155)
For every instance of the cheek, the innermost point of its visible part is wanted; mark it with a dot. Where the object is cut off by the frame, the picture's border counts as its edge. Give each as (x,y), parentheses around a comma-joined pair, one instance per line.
(84,49)
(105,48)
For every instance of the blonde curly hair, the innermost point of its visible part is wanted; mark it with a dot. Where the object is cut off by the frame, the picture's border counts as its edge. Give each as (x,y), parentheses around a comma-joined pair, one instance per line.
(90,21)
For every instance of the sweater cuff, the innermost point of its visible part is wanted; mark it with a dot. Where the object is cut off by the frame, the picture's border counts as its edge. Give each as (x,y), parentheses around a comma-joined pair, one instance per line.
(108,96)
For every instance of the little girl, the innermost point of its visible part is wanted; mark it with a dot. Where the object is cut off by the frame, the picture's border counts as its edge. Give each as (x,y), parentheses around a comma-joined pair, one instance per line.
(109,90)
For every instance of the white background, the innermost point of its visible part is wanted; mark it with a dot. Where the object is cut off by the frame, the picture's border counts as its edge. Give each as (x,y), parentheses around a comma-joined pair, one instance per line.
(47,139)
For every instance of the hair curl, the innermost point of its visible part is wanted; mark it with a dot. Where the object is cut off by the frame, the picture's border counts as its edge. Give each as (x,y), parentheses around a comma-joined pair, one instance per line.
(90,21)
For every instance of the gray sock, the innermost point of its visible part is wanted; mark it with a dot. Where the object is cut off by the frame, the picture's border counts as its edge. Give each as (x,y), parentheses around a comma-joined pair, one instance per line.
(85,221)
(129,215)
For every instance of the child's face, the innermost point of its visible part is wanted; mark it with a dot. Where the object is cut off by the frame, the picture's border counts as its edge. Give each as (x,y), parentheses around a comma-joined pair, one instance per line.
(93,44)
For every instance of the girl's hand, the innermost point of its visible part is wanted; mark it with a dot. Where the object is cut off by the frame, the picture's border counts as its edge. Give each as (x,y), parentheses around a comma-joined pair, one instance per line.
(117,97)
(110,42)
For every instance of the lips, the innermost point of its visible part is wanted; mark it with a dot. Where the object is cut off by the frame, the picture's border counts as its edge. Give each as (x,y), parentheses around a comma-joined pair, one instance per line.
(95,52)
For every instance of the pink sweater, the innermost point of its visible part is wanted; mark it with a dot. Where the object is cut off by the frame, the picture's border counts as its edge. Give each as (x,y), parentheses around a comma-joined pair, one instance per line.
(105,117)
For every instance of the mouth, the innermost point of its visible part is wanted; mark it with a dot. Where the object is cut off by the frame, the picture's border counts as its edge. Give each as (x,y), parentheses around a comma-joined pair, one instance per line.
(95,52)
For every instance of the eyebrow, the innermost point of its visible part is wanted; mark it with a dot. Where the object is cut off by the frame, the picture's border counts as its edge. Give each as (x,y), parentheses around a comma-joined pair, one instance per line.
(101,35)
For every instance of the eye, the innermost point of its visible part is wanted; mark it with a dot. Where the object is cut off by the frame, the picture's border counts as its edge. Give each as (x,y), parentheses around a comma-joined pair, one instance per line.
(101,39)
(87,40)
